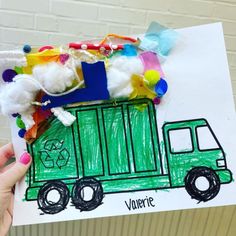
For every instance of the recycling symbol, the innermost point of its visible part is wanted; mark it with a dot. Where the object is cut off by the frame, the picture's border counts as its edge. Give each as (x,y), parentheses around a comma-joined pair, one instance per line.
(54,154)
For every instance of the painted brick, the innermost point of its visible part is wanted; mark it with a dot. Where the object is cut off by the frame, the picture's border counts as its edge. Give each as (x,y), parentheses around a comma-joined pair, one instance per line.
(79,28)
(46,23)
(230,43)
(1,32)
(187,21)
(159,5)
(4,141)
(227,1)
(162,18)
(177,20)
(78,10)
(16,20)
(190,7)
(119,29)
(3,48)
(24,37)
(26,5)
(138,30)
(4,122)
(228,26)
(232,59)
(5,133)
(6,46)
(122,15)
(109,2)
(225,11)
(234,88)
(59,39)
(233,74)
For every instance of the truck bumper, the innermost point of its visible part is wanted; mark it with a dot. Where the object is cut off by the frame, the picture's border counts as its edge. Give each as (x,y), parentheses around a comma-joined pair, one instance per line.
(225,176)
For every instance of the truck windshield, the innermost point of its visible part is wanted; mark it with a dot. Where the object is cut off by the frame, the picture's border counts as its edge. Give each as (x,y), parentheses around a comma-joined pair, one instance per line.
(206,138)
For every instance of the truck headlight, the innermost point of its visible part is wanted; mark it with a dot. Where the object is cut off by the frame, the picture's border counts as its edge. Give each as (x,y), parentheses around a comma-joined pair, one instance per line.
(221,163)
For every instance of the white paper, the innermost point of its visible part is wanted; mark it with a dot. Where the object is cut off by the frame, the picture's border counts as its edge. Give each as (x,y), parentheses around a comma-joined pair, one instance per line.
(199,87)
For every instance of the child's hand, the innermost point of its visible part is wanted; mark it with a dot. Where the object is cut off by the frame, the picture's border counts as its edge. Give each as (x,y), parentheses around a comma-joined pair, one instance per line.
(9,175)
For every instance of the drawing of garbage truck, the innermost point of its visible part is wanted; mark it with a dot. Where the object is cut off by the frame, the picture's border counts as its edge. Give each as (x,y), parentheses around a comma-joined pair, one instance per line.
(115,148)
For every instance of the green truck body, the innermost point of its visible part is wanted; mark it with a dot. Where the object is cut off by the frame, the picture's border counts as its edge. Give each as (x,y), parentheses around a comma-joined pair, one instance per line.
(113,148)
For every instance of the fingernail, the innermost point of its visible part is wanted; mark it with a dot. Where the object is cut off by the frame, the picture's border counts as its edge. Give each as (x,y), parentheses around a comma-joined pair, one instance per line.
(25,158)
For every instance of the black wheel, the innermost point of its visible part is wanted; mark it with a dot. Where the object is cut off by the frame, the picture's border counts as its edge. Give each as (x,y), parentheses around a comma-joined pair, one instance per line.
(195,191)
(59,199)
(80,200)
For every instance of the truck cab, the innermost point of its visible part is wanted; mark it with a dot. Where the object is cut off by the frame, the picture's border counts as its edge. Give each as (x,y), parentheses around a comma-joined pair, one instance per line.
(193,150)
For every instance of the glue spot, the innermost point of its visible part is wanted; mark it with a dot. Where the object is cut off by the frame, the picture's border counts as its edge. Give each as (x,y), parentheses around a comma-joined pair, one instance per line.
(102,49)
(84,46)
(114,46)
(156,101)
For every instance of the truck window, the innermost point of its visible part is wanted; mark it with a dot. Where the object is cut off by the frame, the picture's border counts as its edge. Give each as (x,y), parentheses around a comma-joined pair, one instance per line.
(206,139)
(180,140)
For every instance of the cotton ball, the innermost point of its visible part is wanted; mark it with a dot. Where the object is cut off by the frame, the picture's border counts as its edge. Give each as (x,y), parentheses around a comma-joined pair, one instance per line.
(119,75)
(118,83)
(27,118)
(16,97)
(129,65)
(54,77)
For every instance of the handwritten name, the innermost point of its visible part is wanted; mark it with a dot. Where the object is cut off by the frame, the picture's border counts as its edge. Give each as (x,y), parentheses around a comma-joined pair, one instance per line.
(139,203)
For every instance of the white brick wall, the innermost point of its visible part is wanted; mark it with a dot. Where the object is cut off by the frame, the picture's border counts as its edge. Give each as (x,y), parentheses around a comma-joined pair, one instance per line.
(225,10)
(32,6)
(16,20)
(39,22)
(74,9)
(61,21)
(122,15)
(46,23)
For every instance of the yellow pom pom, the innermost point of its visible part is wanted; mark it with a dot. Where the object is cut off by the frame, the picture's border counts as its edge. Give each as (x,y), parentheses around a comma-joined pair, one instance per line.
(152,77)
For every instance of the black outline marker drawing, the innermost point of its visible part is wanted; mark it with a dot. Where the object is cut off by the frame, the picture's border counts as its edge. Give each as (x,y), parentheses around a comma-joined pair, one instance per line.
(144,166)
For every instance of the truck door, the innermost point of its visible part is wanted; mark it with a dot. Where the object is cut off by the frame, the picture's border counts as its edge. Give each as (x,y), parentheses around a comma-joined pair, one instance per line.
(190,144)
(180,151)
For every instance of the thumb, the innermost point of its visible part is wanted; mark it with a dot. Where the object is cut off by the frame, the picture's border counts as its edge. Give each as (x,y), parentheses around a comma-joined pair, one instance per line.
(16,172)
